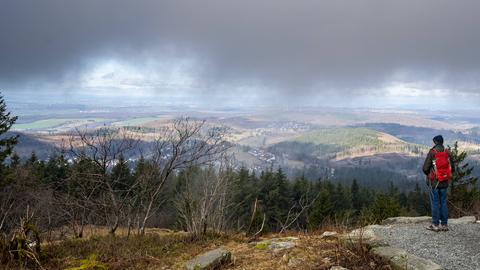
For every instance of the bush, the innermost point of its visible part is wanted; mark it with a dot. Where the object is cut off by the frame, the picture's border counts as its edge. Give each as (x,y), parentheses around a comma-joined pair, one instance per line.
(384,207)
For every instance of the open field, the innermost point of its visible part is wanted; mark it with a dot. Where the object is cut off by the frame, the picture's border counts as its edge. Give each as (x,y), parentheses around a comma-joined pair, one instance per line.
(41,124)
(141,121)
(56,123)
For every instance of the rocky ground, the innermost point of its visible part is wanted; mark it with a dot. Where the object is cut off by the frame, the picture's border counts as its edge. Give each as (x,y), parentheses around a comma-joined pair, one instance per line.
(402,242)
(312,251)
(458,248)
(169,250)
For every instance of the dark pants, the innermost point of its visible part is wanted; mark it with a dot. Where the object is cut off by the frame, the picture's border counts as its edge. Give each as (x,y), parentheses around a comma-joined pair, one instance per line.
(438,201)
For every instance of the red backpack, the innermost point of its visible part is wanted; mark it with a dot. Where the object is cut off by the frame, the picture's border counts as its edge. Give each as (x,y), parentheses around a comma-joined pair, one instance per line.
(442,170)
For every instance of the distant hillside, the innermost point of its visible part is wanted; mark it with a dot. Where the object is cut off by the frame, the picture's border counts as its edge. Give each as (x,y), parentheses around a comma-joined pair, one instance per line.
(375,150)
(351,149)
(28,143)
(424,135)
(469,140)
(357,141)
(343,137)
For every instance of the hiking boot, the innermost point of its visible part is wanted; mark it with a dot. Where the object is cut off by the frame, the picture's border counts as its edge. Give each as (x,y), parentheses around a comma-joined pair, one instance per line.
(434,228)
(444,227)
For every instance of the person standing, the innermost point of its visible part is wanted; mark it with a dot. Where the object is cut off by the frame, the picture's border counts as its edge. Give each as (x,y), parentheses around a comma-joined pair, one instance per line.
(438,167)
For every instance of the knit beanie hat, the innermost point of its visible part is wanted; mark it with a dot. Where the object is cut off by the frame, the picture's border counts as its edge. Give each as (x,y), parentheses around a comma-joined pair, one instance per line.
(438,139)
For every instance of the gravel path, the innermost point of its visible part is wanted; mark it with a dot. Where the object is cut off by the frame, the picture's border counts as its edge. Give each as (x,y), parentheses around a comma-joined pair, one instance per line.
(458,248)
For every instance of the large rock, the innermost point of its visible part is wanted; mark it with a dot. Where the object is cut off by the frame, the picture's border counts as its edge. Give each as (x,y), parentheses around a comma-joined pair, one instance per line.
(406,220)
(363,233)
(211,260)
(366,236)
(399,259)
(462,220)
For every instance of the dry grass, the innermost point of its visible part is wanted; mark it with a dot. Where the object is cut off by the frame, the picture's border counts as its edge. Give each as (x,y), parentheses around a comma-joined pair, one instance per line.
(164,249)
(152,251)
(311,252)
(63,233)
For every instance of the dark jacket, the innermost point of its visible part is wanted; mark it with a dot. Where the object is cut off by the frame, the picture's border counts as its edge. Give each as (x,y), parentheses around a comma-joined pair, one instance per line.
(428,166)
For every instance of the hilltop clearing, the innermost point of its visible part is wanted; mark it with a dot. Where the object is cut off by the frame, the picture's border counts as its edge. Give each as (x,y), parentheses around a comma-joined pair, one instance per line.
(163,249)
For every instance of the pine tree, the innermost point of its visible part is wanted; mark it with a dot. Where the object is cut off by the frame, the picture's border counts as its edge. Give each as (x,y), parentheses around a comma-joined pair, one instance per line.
(121,177)
(300,188)
(6,122)
(367,196)
(418,201)
(140,167)
(281,197)
(274,197)
(356,200)
(341,199)
(32,159)
(392,191)
(283,186)
(463,188)
(14,160)
(244,193)
(56,171)
(403,200)
(303,193)
(384,207)
(322,209)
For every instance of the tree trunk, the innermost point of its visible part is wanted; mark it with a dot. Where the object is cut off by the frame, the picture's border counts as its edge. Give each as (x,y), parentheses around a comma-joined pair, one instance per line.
(145,218)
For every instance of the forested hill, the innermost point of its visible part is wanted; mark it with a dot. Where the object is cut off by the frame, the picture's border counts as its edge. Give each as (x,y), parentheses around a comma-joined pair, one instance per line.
(421,135)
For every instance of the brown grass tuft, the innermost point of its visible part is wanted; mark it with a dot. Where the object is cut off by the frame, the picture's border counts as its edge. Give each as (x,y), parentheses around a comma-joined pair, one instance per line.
(164,249)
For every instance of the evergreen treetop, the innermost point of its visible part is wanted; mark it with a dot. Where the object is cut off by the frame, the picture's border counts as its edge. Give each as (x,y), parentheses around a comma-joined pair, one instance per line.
(6,122)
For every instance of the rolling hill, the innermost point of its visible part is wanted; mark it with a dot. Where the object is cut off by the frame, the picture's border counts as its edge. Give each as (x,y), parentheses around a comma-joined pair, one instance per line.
(345,142)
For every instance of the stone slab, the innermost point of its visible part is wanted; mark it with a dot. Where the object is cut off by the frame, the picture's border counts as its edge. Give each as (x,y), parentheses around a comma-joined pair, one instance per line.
(399,259)
(211,260)
(406,220)
(462,220)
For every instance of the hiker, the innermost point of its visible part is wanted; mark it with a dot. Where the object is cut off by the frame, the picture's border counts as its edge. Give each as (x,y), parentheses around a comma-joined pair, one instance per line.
(438,168)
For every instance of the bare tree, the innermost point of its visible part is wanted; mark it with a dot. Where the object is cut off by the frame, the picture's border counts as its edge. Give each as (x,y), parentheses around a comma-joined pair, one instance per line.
(101,149)
(181,144)
(184,144)
(204,202)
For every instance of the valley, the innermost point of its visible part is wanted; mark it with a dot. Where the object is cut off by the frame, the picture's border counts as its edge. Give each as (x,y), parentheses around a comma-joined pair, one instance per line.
(332,143)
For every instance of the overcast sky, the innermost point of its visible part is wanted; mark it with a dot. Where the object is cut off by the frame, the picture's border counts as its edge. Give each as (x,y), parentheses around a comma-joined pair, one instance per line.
(261,51)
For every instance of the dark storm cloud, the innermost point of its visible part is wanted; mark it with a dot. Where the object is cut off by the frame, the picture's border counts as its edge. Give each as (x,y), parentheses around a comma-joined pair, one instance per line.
(289,45)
